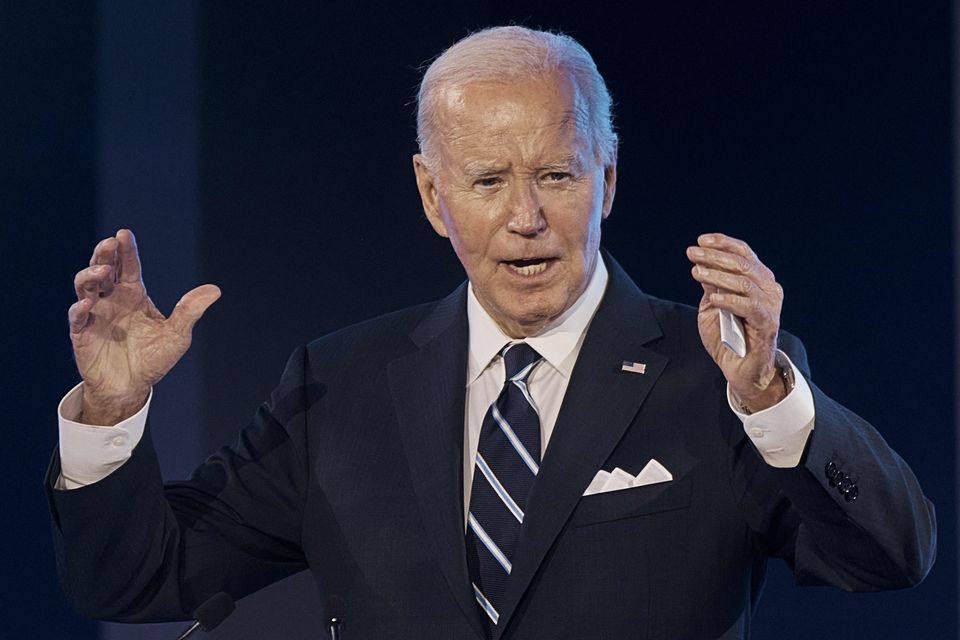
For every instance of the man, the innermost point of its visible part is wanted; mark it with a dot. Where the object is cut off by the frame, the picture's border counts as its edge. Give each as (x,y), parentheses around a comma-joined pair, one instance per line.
(545,453)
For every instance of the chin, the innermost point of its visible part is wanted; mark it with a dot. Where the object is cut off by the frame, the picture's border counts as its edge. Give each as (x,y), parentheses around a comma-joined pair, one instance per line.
(535,317)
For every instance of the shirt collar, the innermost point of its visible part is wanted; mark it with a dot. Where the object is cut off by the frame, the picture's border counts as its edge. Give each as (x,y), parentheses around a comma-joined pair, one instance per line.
(556,343)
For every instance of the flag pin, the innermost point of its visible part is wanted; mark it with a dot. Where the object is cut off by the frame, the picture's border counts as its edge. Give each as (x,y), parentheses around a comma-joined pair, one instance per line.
(633,367)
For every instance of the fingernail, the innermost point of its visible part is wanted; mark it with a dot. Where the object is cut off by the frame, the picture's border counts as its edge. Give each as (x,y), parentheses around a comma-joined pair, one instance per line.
(709,239)
(703,271)
(697,251)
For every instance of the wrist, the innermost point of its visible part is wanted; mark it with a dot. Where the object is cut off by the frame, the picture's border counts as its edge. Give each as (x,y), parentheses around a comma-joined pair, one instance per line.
(779,385)
(102,411)
(766,398)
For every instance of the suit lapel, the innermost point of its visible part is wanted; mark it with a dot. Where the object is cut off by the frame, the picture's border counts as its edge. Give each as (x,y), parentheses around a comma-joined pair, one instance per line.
(428,388)
(600,403)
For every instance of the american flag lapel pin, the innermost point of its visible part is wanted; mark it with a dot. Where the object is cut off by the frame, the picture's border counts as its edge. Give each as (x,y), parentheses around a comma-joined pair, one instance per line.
(633,367)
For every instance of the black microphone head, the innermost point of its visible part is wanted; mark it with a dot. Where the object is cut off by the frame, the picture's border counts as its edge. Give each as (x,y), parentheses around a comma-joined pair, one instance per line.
(214,611)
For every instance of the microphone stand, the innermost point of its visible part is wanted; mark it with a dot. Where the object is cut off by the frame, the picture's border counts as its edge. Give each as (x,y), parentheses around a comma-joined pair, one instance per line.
(189,631)
(336,628)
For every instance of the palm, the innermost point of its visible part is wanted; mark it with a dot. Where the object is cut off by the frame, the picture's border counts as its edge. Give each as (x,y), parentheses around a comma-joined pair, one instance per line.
(127,345)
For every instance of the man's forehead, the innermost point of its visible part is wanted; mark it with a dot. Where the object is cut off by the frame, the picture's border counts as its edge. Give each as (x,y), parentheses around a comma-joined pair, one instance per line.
(484,117)
(559,143)
(452,98)
(554,92)
(501,125)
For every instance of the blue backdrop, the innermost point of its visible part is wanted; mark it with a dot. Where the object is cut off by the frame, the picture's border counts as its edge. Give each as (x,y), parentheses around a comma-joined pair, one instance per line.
(266,149)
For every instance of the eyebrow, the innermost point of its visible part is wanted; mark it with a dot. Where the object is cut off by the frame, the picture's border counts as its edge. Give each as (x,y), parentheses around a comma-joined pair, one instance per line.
(477,169)
(564,163)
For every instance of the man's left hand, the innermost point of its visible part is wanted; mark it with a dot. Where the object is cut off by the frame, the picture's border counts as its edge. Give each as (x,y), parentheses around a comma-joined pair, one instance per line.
(734,279)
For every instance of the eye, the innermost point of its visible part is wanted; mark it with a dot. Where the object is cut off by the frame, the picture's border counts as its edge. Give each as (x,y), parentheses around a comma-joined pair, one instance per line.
(556,176)
(487,183)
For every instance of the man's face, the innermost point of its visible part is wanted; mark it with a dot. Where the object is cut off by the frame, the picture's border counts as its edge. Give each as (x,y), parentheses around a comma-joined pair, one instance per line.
(520,192)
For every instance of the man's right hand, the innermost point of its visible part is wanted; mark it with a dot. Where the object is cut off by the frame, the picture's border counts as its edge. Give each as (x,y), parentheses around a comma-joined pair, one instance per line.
(122,344)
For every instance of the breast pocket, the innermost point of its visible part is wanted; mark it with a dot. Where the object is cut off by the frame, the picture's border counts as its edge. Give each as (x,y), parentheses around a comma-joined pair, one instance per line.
(634,502)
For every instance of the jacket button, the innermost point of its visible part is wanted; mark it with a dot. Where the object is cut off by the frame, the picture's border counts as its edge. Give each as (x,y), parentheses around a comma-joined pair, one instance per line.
(851,494)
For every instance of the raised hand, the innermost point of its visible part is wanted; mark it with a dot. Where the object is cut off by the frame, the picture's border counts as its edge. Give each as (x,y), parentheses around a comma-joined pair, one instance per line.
(733,278)
(122,344)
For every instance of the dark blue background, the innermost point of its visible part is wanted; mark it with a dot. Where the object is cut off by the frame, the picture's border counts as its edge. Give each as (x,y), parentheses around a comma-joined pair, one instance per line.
(266,149)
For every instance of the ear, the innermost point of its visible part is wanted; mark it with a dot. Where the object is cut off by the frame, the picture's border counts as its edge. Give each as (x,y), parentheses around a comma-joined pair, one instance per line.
(609,186)
(429,196)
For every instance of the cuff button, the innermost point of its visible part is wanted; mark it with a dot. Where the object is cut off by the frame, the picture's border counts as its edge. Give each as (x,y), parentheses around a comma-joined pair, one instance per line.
(831,470)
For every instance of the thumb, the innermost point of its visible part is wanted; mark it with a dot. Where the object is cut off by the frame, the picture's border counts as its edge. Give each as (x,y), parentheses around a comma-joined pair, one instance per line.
(192,306)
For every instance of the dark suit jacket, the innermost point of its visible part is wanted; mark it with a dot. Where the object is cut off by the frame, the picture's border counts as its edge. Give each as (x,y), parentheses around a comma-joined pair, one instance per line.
(354,469)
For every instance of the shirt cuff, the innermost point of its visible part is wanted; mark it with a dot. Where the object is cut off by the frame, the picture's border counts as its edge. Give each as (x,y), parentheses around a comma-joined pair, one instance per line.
(90,453)
(780,432)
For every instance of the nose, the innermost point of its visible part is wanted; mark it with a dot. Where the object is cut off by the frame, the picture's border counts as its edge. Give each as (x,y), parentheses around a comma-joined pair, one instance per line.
(526,211)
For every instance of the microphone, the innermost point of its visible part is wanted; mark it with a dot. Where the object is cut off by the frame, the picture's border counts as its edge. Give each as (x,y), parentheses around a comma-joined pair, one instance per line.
(335,620)
(210,614)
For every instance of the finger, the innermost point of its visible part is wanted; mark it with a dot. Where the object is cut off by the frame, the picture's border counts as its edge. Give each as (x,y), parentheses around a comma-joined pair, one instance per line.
(731,262)
(78,315)
(93,282)
(129,258)
(192,306)
(705,303)
(738,284)
(105,252)
(725,243)
(750,309)
(717,259)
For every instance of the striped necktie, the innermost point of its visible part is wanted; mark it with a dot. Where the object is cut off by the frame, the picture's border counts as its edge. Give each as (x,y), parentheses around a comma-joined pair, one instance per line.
(508,459)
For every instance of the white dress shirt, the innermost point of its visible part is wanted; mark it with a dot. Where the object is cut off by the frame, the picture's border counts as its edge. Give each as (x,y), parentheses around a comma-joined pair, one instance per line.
(559,344)
(90,453)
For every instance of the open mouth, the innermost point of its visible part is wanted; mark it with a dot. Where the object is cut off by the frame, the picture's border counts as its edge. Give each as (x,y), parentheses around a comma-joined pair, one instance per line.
(529,266)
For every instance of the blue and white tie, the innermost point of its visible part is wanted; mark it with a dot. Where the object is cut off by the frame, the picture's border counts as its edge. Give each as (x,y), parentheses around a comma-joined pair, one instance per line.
(508,459)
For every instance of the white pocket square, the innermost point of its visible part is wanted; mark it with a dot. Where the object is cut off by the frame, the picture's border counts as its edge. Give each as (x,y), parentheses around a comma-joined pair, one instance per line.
(618,479)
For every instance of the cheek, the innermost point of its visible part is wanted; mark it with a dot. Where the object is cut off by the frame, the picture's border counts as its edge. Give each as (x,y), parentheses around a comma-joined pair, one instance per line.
(579,224)
(471,227)
(468,243)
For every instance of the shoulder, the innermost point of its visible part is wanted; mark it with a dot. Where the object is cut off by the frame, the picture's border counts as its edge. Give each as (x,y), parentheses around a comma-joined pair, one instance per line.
(355,354)
(394,334)
(384,334)
(671,313)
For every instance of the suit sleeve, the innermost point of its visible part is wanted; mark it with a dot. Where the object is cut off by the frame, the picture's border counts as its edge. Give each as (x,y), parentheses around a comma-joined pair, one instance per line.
(851,514)
(132,549)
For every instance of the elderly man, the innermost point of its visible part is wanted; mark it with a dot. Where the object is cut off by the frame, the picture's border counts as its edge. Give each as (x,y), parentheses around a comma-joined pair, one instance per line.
(545,453)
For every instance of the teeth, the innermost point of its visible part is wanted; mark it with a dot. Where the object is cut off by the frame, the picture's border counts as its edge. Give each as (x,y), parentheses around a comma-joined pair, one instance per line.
(530,269)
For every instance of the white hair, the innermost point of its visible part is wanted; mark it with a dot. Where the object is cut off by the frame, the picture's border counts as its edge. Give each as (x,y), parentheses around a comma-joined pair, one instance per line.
(506,53)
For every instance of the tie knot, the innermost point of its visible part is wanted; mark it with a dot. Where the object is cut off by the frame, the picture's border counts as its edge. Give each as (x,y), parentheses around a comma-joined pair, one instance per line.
(519,359)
